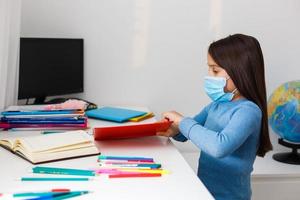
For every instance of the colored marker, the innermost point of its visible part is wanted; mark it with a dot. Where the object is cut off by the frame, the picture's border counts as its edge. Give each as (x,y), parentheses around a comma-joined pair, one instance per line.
(101,157)
(151,171)
(129,161)
(53,179)
(128,167)
(114,171)
(150,166)
(62,171)
(125,162)
(41,193)
(134,175)
(65,195)
(72,194)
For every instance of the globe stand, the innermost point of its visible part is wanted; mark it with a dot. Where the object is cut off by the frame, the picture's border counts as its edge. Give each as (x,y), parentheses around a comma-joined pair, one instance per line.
(290,157)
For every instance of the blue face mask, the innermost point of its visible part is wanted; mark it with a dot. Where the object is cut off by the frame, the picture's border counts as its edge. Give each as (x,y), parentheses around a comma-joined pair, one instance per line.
(214,88)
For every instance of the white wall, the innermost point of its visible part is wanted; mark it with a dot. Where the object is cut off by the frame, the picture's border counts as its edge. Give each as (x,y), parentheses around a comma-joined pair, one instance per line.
(153,53)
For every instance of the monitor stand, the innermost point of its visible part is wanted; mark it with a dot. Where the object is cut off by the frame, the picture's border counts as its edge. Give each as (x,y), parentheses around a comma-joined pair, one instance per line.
(39,100)
(56,100)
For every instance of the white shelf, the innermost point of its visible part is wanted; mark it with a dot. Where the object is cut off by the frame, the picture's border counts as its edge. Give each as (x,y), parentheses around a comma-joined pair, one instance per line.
(268,167)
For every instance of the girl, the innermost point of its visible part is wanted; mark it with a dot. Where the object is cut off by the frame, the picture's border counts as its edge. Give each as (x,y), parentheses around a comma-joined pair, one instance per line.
(233,129)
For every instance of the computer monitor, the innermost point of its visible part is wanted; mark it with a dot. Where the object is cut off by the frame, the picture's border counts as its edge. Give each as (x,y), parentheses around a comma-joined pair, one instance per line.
(50,66)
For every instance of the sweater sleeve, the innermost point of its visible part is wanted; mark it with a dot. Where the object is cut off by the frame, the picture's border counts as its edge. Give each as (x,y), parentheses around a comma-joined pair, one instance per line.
(243,123)
(199,118)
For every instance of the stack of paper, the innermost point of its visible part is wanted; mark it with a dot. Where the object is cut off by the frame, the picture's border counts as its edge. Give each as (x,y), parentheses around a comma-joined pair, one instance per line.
(43,119)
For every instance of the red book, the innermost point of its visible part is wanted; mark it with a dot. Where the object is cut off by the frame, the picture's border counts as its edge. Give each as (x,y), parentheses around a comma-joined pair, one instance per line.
(130,131)
(4,125)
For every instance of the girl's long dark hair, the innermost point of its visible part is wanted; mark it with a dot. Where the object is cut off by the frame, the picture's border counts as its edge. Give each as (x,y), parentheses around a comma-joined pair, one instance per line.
(241,56)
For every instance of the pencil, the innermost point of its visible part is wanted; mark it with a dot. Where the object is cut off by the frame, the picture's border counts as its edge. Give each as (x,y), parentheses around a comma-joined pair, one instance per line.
(134,175)
(53,179)
(62,171)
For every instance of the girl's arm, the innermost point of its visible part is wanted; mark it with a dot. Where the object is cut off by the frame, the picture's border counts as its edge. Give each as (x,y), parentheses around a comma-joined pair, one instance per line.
(243,123)
(199,118)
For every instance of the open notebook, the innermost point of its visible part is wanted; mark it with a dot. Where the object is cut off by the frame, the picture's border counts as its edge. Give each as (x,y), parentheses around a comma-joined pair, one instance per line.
(51,147)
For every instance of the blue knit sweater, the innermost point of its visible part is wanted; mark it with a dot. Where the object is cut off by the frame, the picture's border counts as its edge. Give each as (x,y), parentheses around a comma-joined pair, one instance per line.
(228,135)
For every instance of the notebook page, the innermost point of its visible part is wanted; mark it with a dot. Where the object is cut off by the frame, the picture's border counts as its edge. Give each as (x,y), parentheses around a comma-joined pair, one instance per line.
(9,142)
(50,141)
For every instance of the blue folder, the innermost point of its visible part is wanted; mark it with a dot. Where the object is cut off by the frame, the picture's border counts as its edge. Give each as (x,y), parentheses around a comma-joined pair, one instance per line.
(114,114)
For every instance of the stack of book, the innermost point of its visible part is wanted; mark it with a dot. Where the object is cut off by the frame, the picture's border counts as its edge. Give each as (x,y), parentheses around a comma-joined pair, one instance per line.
(44,119)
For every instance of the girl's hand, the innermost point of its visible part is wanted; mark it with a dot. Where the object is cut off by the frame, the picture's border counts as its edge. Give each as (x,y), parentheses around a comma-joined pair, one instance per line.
(173,130)
(173,116)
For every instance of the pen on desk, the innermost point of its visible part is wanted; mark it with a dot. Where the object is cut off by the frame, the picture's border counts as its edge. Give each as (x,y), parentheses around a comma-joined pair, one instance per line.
(101,157)
(25,194)
(129,175)
(130,170)
(70,195)
(110,172)
(62,171)
(63,195)
(151,171)
(125,162)
(150,166)
(53,179)
(133,166)
(39,194)
(49,196)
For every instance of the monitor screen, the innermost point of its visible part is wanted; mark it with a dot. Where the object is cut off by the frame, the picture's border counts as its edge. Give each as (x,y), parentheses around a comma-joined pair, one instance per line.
(50,66)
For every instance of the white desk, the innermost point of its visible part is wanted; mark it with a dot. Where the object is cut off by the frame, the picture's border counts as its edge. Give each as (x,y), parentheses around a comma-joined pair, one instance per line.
(182,183)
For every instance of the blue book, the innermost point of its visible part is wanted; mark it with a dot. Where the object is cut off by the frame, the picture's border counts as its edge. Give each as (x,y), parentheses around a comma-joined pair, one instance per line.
(114,114)
(39,112)
(6,119)
(73,120)
(45,122)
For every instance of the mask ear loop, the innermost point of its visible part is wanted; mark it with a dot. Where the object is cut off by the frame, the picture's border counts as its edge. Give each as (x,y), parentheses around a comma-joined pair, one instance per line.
(235,90)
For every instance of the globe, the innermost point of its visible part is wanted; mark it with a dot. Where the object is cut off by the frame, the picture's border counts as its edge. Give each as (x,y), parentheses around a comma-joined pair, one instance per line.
(284,111)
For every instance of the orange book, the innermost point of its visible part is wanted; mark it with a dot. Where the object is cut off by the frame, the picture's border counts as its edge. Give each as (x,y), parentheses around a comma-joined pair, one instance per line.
(130,131)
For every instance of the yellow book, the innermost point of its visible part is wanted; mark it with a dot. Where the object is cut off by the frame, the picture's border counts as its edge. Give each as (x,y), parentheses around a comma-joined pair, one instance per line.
(143,117)
(51,147)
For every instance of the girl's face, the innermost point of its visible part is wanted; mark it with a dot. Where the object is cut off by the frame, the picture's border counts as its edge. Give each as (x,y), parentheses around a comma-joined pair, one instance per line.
(215,70)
